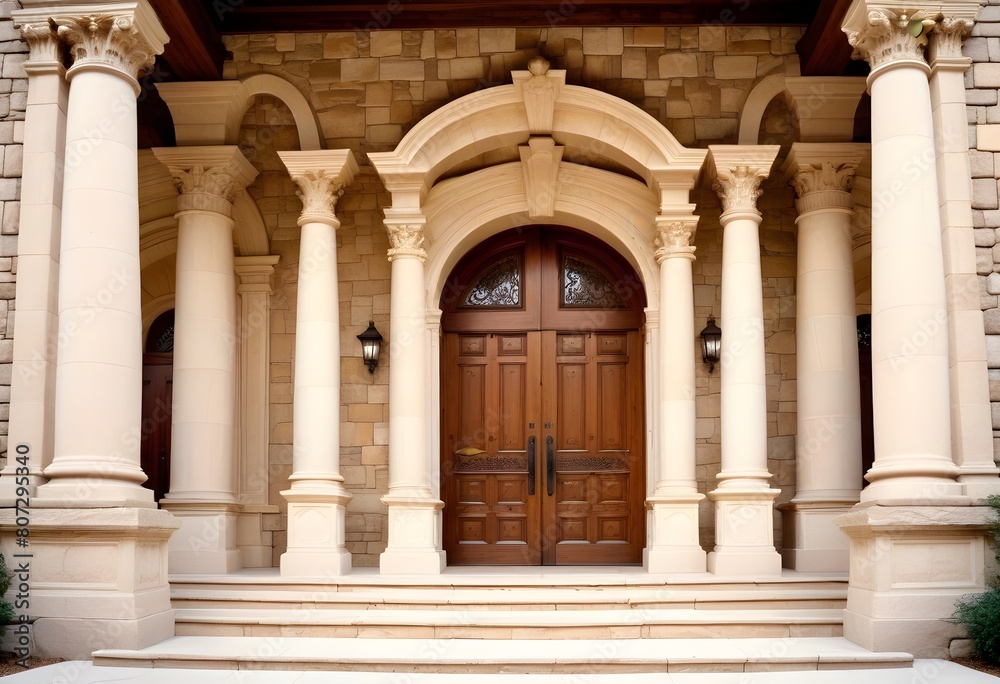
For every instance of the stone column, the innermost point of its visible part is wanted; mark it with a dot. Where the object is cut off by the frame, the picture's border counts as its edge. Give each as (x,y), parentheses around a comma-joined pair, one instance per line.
(744,502)
(32,395)
(253,351)
(971,420)
(673,508)
(414,512)
(828,436)
(99,370)
(202,464)
(317,498)
(95,533)
(910,357)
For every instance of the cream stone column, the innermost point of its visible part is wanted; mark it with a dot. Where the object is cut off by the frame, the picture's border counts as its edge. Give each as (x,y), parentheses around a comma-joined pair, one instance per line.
(32,391)
(673,507)
(971,421)
(99,370)
(744,502)
(910,357)
(317,498)
(202,465)
(414,512)
(253,337)
(828,437)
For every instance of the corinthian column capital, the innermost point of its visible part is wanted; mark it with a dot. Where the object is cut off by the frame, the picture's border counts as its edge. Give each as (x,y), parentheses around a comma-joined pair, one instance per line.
(406,240)
(119,37)
(44,45)
(889,35)
(320,176)
(947,39)
(207,177)
(823,173)
(737,172)
(673,238)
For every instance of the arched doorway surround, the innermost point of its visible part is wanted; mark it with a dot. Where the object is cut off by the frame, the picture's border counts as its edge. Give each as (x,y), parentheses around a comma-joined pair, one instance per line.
(536,151)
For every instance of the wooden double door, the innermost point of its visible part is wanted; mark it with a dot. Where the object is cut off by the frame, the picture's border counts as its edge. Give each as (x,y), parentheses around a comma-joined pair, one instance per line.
(542,429)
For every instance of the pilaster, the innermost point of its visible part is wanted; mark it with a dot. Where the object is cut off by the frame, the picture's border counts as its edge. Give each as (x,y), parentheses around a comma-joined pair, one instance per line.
(317,498)
(203,466)
(253,292)
(743,498)
(32,400)
(971,418)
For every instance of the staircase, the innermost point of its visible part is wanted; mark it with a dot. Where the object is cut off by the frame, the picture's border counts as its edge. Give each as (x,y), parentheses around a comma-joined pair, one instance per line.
(608,622)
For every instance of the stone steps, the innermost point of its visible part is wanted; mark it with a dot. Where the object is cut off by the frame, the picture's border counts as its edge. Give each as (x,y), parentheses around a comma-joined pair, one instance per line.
(489,656)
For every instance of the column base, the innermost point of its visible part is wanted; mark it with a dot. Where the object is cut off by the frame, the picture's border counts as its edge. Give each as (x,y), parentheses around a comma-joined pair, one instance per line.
(812,542)
(414,546)
(672,531)
(744,533)
(92,493)
(909,564)
(98,578)
(978,486)
(317,522)
(206,540)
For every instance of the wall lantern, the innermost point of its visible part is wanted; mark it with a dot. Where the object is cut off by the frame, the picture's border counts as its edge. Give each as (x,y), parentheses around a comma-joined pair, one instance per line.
(711,343)
(371,345)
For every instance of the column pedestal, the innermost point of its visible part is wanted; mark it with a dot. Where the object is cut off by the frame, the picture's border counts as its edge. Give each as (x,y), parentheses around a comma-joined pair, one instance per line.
(205,543)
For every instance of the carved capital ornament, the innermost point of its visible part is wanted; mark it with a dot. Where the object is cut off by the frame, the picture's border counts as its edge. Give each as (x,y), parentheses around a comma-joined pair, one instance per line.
(890,37)
(739,188)
(319,192)
(108,40)
(406,241)
(673,239)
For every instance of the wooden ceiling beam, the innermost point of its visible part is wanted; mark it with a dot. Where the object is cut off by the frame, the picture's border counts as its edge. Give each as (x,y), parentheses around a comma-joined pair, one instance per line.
(823,49)
(195,51)
(264,16)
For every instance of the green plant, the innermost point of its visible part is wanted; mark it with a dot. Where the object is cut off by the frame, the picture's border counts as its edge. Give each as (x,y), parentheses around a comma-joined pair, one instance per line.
(979,614)
(6,607)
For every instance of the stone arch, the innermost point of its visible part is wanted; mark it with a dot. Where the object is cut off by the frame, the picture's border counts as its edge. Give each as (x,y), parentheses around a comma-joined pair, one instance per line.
(269,84)
(760,96)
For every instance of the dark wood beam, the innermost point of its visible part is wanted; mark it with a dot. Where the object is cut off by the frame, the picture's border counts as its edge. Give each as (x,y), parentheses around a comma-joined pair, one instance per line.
(195,51)
(823,49)
(264,16)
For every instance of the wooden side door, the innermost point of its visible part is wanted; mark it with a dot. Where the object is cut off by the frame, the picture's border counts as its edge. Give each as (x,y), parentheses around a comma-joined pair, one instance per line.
(157,401)
(490,400)
(593,504)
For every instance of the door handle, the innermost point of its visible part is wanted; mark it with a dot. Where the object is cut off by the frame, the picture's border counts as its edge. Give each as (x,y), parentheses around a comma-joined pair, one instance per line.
(550,467)
(531,465)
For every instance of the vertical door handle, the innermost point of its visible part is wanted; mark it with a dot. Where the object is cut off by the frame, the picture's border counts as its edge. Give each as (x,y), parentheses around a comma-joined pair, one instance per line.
(550,467)
(531,465)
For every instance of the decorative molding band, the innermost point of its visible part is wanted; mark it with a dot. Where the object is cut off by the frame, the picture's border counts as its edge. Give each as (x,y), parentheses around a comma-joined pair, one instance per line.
(888,37)
(739,188)
(107,39)
(673,238)
(406,241)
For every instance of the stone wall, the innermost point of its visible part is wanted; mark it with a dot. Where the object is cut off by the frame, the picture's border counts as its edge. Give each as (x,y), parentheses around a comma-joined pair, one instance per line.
(370,88)
(13,102)
(982,82)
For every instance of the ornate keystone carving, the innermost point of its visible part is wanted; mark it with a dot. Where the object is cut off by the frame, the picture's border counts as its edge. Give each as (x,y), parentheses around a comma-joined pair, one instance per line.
(107,39)
(319,192)
(889,37)
(406,240)
(673,239)
(948,36)
(739,187)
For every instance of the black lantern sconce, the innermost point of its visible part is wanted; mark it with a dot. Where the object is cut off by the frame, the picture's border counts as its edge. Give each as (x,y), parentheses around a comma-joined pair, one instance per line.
(711,344)
(371,346)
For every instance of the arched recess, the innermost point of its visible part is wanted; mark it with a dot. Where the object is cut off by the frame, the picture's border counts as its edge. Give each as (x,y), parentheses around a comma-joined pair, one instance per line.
(588,160)
(753,109)
(209,113)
